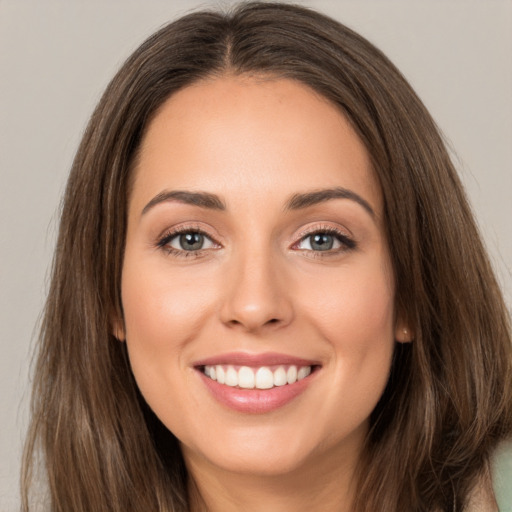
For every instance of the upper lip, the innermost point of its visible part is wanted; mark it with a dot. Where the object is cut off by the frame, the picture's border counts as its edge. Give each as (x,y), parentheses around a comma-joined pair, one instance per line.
(264,359)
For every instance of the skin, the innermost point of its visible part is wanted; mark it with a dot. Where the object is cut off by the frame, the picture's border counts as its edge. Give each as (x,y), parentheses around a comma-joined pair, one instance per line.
(259,287)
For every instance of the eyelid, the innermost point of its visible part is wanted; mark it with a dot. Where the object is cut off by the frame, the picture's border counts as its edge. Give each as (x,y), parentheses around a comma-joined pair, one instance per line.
(163,239)
(343,236)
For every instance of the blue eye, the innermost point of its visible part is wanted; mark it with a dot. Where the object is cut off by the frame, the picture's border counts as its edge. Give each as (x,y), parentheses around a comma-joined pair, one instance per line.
(186,241)
(323,241)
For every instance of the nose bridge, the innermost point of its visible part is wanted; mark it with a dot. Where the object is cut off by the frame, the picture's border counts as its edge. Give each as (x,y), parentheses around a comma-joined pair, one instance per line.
(255,293)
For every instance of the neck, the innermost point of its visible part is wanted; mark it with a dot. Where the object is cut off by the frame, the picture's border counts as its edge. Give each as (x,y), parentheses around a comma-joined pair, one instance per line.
(326,485)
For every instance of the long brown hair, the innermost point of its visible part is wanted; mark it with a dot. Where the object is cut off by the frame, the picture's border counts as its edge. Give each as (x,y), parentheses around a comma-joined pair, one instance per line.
(449,397)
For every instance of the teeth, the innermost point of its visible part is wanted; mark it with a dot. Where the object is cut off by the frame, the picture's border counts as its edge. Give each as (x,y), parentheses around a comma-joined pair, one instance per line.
(264,378)
(221,375)
(231,377)
(291,375)
(280,377)
(303,372)
(260,378)
(246,378)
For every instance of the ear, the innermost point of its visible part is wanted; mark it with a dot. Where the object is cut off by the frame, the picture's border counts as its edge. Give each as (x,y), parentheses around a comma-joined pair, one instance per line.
(117,327)
(403,333)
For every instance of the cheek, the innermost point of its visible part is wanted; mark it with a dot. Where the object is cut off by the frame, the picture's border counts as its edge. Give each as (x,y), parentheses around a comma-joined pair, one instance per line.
(354,314)
(354,308)
(162,313)
(161,306)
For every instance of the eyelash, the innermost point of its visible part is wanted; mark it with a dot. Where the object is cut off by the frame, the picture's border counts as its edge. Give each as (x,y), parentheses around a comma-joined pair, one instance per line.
(164,241)
(348,244)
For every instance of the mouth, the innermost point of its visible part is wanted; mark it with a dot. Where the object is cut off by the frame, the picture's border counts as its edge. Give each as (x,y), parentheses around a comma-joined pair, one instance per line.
(256,383)
(261,377)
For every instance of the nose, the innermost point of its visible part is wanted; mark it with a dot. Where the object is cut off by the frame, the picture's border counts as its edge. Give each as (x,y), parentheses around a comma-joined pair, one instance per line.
(256,295)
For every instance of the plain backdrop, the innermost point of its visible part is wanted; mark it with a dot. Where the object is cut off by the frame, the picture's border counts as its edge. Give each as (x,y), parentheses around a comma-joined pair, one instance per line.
(57,57)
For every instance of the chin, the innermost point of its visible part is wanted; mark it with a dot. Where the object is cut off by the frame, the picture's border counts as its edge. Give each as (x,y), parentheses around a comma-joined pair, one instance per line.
(256,463)
(276,450)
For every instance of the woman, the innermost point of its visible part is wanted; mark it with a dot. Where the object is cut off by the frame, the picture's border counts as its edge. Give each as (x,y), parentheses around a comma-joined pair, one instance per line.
(269,292)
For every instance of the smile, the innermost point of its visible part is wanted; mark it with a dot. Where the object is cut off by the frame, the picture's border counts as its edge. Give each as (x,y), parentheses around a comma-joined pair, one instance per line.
(256,383)
(263,377)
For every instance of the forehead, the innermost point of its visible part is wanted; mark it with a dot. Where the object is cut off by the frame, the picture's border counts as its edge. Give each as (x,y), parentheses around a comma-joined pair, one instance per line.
(249,135)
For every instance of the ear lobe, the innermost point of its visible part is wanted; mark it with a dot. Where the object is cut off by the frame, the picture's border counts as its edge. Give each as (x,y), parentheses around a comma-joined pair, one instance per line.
(118,330)
(403,334)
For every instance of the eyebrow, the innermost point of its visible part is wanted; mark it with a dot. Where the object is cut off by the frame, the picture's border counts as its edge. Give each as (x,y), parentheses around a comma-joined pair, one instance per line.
(300,201)
(296,202)
(201,199)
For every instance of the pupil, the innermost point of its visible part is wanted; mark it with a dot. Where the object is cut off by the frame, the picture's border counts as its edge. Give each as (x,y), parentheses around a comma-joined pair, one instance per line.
(322,242)
(191,241)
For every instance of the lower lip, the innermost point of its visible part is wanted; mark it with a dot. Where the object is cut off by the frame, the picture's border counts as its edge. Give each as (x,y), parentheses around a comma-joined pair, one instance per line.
(255,401)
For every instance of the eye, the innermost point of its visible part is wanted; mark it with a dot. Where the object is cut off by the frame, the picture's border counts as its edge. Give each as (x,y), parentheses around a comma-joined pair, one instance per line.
(324,241)
(186,241)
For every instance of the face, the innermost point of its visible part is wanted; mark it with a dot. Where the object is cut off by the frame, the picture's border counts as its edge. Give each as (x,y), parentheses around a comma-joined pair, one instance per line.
(257,288)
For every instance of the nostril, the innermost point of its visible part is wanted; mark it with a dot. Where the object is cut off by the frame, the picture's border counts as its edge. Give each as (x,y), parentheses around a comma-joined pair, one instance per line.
(234,322)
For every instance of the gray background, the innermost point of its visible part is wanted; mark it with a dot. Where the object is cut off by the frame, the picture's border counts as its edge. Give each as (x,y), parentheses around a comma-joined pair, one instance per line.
(56,59)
